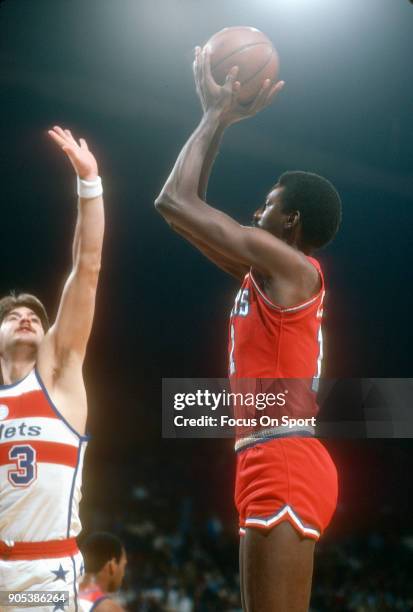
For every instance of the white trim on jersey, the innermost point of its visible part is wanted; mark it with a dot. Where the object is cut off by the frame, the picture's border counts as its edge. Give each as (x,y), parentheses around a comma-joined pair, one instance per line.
(281,308)
(26,385)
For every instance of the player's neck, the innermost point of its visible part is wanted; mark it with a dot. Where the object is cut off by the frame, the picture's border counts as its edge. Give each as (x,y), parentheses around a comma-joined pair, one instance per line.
(94,580)
(88,581)
(16,368)
(294,239)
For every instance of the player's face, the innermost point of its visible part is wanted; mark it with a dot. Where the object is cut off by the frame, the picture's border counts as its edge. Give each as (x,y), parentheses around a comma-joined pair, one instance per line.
(270,216)
(21,326)
(119,572)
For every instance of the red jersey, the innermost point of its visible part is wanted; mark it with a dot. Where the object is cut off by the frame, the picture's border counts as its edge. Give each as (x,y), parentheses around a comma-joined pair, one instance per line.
(268,341)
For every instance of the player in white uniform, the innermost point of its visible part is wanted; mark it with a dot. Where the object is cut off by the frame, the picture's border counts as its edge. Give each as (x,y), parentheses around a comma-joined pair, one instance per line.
(43,409)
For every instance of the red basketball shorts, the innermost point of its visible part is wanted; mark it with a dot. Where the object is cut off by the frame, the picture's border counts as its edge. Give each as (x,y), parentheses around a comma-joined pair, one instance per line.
(286,479)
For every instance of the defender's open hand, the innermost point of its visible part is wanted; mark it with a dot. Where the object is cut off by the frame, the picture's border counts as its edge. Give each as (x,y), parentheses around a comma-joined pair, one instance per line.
(82,160)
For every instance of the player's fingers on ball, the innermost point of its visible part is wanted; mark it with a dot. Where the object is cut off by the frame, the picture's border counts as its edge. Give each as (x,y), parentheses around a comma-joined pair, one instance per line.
(207,73)
(262,96)
(230,79)
(201,66)
(277,88)
(265,88)
(233,73)
(196,67)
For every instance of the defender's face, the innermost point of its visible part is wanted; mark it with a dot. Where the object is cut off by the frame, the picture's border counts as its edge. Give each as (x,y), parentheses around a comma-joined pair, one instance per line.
(270,216)
(20,326)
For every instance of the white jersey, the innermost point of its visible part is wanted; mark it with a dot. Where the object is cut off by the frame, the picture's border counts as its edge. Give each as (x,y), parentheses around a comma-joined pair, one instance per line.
(41,460)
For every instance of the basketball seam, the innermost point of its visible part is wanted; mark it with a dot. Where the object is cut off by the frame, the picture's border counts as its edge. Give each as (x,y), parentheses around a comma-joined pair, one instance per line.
(238,50)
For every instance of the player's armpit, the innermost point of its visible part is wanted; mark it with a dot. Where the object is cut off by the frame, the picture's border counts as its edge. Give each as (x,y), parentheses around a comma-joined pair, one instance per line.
(224,263)
(246,246)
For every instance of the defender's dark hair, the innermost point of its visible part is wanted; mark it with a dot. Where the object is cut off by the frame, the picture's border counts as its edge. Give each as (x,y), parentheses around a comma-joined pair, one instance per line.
(99,548)
(12,301)
(317,201)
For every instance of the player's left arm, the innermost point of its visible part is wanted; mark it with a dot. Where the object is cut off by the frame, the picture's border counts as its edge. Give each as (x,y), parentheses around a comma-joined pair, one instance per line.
(67,338)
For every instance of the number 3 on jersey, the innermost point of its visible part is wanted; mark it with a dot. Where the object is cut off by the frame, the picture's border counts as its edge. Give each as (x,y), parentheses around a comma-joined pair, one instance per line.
(240,309)
(25,472)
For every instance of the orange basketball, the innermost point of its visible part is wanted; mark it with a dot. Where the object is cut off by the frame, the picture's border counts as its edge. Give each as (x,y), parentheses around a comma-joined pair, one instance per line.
(250,50)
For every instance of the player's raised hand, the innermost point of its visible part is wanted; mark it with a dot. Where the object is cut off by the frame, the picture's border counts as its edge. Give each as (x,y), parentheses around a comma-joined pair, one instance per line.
(82,160)
(224,98)
(213,96)
(264,98)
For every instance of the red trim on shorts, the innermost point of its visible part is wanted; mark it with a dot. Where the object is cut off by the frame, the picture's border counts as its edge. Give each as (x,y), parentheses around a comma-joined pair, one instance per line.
(29,551)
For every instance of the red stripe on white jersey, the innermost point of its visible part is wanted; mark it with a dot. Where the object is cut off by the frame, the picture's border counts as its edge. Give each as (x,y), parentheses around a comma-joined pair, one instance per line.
(46,452)
(30,404)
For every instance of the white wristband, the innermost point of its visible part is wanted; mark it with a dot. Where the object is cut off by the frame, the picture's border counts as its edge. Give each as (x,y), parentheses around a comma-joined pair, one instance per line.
(89,189)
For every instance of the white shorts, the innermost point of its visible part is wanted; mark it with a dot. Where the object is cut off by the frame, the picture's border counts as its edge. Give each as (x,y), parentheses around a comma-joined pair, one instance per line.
(48,575)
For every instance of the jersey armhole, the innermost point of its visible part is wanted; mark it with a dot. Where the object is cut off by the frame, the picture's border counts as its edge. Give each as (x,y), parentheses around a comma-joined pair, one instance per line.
(83,438)
(295,307)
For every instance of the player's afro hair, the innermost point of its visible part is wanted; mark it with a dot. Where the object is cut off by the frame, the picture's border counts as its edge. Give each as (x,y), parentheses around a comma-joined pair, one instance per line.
(12,301)
(99,548)
(317,201)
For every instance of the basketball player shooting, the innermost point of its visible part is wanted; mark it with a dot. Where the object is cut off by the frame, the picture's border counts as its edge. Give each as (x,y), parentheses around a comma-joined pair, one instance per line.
(286,486)
(43,410)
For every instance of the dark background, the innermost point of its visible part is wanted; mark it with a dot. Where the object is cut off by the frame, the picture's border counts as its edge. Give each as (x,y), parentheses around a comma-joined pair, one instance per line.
(119,74)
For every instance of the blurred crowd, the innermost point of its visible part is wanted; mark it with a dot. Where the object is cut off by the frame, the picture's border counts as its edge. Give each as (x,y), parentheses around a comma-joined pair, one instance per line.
(184,560)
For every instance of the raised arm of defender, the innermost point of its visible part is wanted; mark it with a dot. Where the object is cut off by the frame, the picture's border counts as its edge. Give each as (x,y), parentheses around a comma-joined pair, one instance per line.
(63,350)
(181,199)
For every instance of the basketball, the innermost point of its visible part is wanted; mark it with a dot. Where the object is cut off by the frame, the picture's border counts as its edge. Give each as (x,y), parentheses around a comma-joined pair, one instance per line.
(250,50)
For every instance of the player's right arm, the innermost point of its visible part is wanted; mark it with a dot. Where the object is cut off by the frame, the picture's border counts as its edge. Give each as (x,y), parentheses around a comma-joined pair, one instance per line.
(224,263)
(181,205)
(228,265)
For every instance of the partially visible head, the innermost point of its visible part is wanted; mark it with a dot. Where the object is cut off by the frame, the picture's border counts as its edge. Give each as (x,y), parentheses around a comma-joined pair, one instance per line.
(23,320)
(105,556)
(302,206)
